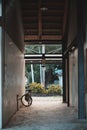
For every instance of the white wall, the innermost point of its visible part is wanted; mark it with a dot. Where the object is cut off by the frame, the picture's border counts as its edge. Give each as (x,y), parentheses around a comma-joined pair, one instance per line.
(13,59)
(73,72)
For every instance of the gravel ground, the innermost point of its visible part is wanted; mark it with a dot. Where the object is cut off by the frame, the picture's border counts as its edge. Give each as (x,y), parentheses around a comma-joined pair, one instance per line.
(47,113)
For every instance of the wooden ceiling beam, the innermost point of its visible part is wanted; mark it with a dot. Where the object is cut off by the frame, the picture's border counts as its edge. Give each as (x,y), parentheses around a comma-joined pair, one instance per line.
(44,31)
(65,17)
(44,37)
(53,37)
(52,30)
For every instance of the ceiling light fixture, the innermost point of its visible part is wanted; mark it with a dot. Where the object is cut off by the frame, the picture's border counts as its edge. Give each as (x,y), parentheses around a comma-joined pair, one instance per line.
(43,8)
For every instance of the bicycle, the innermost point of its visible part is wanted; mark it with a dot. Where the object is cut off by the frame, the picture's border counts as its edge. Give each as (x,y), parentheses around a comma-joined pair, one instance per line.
(26,99)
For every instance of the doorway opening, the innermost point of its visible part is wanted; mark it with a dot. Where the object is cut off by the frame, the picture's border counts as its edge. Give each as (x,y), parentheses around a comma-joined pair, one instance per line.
(43,69)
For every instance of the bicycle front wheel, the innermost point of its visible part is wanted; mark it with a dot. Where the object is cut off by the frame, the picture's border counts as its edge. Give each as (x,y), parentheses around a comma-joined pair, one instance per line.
(26,102)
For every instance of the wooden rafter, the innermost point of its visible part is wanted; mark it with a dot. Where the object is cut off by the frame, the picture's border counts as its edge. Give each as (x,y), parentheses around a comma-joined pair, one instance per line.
(40,24)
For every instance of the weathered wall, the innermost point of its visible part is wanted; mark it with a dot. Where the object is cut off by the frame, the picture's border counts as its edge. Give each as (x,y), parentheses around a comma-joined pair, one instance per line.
(13,58)
(14,78)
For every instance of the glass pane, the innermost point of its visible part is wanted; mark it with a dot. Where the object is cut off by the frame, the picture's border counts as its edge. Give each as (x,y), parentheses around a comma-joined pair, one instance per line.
(33,49)
(54,49)
(47,49)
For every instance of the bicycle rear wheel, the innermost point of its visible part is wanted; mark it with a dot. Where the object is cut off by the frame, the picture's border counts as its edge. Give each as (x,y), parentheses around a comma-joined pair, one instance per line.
(26,100)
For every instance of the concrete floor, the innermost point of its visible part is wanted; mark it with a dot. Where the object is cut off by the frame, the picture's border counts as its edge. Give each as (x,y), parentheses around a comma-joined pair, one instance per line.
(47,113)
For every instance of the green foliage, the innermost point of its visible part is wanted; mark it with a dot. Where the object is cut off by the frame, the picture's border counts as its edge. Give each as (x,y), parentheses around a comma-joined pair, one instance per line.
(38,88)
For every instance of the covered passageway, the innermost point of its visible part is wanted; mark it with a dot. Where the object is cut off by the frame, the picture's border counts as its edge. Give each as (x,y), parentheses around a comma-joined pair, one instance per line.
(43,23)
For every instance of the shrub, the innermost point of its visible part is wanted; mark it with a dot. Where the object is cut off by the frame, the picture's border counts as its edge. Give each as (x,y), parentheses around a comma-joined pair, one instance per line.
(36,88)
(54,89)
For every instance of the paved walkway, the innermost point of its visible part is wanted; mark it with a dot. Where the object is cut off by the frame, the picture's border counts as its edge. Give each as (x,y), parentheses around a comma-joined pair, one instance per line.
(46,113)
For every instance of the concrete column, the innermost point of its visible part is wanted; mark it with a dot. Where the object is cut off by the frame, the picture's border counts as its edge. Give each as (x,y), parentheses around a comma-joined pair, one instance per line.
(68,93)
(81,87)
(81,94)
(70,75)
(80,41)
(64,80)
(64,70)
(0,67)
